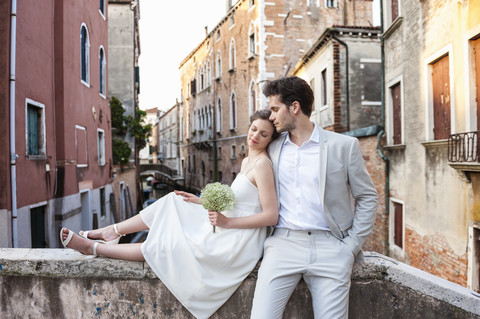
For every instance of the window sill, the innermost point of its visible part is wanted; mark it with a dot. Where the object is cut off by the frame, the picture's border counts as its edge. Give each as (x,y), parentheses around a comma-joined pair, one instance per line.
(231,70)
(394,147)
(36,157)
(251,56)
(394,26)
(102,96)
(218,79)
(435,143)
(85,83)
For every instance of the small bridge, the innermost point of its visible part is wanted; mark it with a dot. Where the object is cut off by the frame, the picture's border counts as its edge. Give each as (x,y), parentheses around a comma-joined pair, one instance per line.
(163,170)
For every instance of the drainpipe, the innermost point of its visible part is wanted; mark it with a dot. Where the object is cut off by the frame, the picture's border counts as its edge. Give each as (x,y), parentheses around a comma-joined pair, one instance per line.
(380,134)
(347,76)
(13,156)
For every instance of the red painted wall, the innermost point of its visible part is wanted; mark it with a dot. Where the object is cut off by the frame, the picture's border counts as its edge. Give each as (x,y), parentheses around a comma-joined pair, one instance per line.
(48,71)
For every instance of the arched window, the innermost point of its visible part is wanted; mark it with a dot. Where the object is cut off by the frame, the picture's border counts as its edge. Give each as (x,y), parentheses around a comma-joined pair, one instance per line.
(233,111)
(102,71)
(219,115)
(101,7)
(85,54)
(219,65)
(232,55)
(209,73)
(202,78)
(252,98)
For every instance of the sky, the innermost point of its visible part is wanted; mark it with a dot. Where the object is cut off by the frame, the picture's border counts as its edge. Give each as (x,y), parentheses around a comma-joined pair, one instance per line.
(169,31)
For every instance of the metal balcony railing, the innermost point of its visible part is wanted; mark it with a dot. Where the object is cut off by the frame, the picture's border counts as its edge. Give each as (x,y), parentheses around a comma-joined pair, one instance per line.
(464,147)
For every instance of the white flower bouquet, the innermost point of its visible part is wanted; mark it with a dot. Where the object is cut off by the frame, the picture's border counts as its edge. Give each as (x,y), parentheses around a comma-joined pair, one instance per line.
(217,197)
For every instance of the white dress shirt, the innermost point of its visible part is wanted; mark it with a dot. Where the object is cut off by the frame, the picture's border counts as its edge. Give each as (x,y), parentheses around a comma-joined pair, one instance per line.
(299,190)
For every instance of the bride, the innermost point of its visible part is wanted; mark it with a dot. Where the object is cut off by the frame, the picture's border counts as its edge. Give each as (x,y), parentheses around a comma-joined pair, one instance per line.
(202,269)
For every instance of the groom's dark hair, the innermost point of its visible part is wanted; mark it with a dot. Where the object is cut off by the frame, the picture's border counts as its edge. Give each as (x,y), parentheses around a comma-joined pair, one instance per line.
(291,89)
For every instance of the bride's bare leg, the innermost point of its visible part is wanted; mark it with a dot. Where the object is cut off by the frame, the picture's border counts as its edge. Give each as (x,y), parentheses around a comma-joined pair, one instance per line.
(123,251)
(132,225)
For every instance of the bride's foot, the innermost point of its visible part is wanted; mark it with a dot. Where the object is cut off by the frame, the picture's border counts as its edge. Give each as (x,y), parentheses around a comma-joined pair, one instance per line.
(106,234)
(80,244)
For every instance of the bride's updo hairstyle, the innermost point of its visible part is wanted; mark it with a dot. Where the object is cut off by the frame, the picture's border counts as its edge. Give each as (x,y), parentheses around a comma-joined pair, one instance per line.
(264,115)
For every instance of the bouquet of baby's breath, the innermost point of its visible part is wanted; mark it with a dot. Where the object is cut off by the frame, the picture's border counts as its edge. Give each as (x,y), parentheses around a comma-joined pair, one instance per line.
(217,197)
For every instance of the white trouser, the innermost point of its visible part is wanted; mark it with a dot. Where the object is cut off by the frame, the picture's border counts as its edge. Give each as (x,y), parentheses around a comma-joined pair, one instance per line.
(324,262)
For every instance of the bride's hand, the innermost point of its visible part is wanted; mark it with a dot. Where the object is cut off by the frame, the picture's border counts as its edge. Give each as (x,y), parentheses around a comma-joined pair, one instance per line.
(188,197)
(218,219)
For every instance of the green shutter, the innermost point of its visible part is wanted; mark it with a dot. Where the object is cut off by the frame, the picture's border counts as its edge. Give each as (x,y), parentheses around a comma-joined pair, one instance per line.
(32,130)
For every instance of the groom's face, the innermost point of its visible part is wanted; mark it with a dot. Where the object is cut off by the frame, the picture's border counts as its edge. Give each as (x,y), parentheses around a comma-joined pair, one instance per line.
(281,116)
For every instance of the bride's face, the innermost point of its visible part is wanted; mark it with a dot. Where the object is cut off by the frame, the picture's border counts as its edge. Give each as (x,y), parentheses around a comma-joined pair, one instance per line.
(260,134)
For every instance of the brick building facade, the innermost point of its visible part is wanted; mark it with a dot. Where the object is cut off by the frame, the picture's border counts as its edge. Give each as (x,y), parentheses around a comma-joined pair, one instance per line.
(222,77)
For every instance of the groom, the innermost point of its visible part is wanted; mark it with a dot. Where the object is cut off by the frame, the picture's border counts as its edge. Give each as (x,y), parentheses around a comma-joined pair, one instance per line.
(327,205)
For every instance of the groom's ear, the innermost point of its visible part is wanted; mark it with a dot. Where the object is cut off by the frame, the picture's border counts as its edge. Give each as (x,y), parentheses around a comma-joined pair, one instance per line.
(295,107)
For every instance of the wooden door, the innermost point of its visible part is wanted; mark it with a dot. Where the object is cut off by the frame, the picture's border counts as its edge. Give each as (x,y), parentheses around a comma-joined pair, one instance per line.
(441,98)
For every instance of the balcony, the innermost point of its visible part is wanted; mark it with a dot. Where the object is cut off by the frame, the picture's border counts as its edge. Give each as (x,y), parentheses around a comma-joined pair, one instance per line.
(464,152)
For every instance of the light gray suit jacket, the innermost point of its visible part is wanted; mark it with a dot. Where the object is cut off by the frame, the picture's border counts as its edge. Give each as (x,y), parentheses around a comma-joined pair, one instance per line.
(348,195)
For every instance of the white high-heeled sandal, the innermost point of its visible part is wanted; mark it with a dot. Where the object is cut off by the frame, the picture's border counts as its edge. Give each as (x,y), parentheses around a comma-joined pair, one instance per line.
(84,234)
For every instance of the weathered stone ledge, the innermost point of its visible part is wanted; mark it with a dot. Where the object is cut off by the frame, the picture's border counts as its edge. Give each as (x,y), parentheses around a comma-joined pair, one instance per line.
(64,283)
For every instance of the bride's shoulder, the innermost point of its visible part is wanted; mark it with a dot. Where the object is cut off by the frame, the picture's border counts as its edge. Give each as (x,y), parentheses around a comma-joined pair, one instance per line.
(263,161)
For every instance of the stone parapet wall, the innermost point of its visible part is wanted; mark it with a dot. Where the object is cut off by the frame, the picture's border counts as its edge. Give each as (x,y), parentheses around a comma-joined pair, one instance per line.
(61,283)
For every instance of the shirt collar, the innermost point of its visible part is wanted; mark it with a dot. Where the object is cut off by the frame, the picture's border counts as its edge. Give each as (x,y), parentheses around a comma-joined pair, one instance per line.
(314,138)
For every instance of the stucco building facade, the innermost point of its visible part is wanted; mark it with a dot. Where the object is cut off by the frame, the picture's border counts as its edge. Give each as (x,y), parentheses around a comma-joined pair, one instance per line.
(432,67)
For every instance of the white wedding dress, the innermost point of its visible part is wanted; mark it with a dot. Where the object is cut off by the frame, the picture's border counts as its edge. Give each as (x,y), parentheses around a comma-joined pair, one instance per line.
(201,268)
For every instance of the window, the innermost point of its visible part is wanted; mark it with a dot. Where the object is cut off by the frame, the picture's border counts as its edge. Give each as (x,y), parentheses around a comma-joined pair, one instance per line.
(395,93)
(220,176)
(35,129)
(203,169)
(218,35)
(253,98)
(102,71)
(324,96)
(101,146)
(101,7)
(103,211)
(85,54)
(251,41)
(233,112)
(397,231)
(441,98)
(209,73)
(476,62)
(219,116)
(394,9)
(233,151)
(81,146)
(232,55)
(219,65)
(251,3)
(330,3)
(194,164)
(219,153)
(232,20)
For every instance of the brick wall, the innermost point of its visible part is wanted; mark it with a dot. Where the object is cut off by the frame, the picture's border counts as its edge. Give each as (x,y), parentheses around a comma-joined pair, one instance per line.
(378,239)
(433,254)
